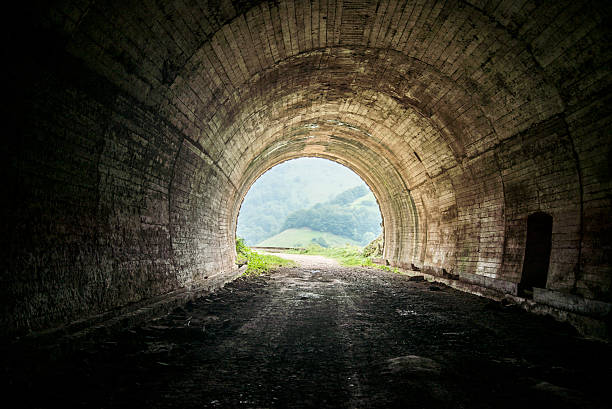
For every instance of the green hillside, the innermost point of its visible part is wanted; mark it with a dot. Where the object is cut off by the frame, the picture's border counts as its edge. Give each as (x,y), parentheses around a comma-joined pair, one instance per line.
(367,200)
(353,214)
(303,237)
(292,185)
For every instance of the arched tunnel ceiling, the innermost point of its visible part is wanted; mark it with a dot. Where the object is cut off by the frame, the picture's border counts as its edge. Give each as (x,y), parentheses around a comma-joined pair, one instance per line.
(451,66)
(462,116)
(423,89)
(446,81)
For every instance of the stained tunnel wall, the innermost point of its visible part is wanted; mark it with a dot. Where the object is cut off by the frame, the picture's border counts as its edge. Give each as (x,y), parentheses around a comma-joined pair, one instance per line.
(136,129)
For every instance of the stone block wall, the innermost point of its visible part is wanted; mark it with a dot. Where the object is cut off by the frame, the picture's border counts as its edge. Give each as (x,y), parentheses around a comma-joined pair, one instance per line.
(138,127)
(107,205)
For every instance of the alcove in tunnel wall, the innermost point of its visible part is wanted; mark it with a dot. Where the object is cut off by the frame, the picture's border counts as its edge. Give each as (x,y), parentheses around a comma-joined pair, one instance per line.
(138,126)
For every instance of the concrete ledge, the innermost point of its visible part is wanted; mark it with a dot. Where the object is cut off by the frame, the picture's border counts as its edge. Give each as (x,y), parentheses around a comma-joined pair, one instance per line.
(572,302)
(586,316)
(456,284)
(587,326)
(133,314)
(503,286)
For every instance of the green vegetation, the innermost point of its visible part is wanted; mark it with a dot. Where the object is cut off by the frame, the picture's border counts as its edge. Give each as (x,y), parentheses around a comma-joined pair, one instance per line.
(352,214)
(349,196)
(304,237)
(347,255)
(387,268)
(258,264)
(290,186)
(375,248)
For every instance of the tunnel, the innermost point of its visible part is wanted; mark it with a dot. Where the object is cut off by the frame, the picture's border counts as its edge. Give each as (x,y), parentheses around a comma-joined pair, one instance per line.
(135,129)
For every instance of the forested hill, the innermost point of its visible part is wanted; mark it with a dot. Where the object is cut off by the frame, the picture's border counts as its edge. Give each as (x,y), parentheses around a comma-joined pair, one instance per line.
(353,214)
(290,186)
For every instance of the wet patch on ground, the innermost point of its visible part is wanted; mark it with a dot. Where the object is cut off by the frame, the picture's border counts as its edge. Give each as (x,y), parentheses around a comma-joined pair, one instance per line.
(323,337)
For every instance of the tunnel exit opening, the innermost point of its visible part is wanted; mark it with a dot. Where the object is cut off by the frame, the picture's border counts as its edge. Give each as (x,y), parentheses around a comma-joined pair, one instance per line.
(308,202)
(537,253)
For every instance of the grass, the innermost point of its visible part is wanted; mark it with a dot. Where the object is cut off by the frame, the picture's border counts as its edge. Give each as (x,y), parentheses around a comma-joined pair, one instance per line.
(258,264)
(347,256)
(303,237)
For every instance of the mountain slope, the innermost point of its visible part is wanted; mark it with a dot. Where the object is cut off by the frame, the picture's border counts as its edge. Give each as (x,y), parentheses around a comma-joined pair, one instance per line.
(303,237)
(353,214)
(290,186)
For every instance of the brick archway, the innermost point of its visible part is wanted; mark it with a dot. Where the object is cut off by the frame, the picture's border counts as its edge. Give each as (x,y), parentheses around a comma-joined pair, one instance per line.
(138,128)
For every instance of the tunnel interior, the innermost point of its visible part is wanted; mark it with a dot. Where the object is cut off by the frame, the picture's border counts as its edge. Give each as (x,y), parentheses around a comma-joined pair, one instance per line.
(137,128)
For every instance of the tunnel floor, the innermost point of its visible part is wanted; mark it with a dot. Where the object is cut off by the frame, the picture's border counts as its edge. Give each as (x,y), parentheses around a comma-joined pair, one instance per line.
(323,337)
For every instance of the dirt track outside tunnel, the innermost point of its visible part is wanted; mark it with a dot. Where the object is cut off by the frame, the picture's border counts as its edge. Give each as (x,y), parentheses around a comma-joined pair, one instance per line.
(325,336)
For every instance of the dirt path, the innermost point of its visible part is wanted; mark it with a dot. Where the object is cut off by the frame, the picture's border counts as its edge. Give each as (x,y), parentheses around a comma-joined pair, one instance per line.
(307,260)
(325,337)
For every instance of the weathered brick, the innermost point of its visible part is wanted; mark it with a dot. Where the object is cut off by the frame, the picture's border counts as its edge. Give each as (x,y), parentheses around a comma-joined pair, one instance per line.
(139,128)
